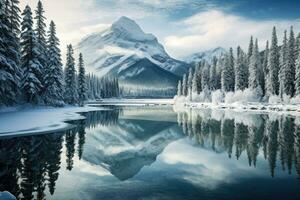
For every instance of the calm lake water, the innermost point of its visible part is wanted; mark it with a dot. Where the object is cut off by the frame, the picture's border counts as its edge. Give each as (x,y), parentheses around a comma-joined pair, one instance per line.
(132,153)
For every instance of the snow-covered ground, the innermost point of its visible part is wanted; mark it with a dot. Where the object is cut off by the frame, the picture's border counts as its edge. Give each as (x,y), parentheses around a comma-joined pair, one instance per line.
(279,108)
(31,120)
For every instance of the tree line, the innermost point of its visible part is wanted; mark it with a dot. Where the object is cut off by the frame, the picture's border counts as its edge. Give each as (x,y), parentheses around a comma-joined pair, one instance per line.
(31,68)
(102,87)
(272,72)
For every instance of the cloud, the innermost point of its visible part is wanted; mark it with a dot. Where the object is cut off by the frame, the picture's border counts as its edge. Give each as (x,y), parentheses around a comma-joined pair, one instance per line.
(174,22)
(215,28)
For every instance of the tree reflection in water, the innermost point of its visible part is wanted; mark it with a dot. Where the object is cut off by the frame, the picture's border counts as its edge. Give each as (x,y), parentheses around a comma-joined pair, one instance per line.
(277,136)
(30,164)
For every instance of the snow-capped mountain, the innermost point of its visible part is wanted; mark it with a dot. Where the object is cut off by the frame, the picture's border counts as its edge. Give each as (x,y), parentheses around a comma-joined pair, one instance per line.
(205,55)
(124,50)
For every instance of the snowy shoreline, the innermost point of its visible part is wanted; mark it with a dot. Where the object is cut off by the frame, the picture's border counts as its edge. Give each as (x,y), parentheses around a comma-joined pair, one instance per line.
(279,109)
(17,121)
(26,120)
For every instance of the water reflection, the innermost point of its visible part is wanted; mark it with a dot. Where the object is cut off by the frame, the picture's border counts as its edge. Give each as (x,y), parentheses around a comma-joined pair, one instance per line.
(30,164)
(277,136)
(122,142)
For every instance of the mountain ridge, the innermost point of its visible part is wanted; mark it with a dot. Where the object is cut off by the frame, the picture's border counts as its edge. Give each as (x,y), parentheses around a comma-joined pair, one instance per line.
(116,50)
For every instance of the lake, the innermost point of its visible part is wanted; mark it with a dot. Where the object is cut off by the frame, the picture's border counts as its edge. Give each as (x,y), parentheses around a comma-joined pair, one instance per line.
(156,152)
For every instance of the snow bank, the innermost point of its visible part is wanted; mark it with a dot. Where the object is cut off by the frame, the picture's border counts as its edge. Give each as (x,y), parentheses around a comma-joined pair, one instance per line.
(242,100)
(30,120)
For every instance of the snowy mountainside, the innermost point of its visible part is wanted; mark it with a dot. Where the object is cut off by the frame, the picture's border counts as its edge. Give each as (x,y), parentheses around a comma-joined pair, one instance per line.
(121,50)
(205,55)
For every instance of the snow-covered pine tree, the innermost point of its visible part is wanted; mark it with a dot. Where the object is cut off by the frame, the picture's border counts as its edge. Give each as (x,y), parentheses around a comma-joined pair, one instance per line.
(32,75)
(190,82)
(227,77)
(272,84)
(290,70)
(265,67)
(198,78)
(179,90)
(205,77)
(89,87)
(184,86)
(82,81)
(70,78)
(240,70)
(254,66)
(40,31)
(250,49)
(53,77)
(220,63)
(13,15)
(9,58)
(14,18)
(213,78)
(297,76)
(297,46)
(194,84)
(283,66)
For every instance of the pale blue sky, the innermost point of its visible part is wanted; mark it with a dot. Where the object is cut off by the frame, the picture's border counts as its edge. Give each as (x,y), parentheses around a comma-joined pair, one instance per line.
(182,26)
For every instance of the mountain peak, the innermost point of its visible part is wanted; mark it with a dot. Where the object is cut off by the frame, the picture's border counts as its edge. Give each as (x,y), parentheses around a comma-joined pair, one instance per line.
(126,23)
(129,28)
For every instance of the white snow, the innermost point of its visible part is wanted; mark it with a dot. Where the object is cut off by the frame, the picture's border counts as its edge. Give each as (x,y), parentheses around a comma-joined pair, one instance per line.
(246,100)
(25,120)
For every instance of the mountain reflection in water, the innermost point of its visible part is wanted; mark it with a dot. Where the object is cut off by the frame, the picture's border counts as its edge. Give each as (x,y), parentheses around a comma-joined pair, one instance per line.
(182,149)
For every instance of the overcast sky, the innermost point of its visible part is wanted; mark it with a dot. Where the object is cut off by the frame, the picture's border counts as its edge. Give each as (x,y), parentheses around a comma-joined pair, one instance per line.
(182,26)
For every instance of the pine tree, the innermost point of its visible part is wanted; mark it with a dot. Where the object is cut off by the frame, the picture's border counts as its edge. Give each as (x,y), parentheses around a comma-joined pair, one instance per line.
(240,70)
(184,86)
(227,77)
(13,15)
(283,66)
(9,59)
(273,67)
(32,75)
(198,78)
(254,67)
(70,78)
(297,76)
(190,82)
(219,69)
(53,78)
(82,82)
(40,31)
(194,84)
(213,77)
(265,67)
(205,77)
(250,49)
(290,70)
(179,90)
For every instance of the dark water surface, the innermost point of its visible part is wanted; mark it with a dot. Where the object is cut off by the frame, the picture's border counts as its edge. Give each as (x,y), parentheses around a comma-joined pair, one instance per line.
(131,153)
